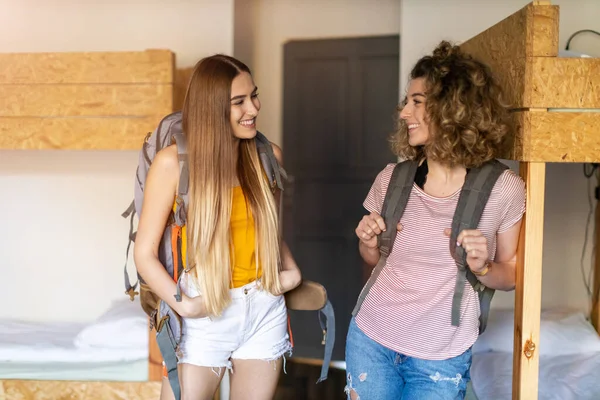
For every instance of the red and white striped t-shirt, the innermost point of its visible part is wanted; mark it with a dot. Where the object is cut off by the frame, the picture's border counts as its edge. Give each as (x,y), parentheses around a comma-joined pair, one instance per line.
(408,309)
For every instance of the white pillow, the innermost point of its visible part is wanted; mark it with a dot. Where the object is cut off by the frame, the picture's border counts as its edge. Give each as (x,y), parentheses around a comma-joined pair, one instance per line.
(123,325)
(560,334)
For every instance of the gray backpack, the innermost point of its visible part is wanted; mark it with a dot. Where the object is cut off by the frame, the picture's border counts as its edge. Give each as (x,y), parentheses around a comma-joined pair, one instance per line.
(474,195)
(166,321)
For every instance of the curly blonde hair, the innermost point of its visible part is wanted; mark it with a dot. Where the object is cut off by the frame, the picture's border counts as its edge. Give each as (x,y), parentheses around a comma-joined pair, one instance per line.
(466,114)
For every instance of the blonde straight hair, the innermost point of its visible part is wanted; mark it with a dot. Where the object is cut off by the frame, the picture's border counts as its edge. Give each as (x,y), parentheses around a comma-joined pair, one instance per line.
(213,169)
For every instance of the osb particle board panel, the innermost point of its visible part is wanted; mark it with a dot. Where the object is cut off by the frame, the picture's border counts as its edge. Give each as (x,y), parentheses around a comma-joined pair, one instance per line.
(88,100)
(182,78)
(151,66)
(84,133)
(542,30)
(521,50)
(529,32)
(556,137)
(511,44)
(75,390)
(75,100)
(563,83)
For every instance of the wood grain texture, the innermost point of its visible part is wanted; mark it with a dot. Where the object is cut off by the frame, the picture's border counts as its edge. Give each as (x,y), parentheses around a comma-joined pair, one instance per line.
(549,82)
(510,46)
(502,47)
(77,390)
(68,100)
(85,133)
(182,79)
(529,32)
(87,100)
(151,66)
(556,137)
(528,290)
(555,82)
(542,30)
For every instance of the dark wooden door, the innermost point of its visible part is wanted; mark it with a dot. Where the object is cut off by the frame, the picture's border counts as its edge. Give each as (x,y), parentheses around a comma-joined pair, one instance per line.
(339,106)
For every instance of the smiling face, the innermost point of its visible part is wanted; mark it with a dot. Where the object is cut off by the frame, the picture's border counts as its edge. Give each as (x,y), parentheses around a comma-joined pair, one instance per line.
(413,113)
(245,106)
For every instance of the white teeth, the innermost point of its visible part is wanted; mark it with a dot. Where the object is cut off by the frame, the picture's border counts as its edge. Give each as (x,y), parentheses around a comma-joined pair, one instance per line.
(412,126)
(248,122)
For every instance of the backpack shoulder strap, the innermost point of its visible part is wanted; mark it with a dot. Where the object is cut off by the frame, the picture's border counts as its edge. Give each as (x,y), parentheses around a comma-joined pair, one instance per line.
(272,168)
(394,203)
(168,336)
(328,328)
(183,162)
(473,198)
(184,179)
(152,144)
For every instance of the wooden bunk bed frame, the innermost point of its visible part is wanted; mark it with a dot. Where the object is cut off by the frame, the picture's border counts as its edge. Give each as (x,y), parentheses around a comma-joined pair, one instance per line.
(86,101)
(555,103)
(83,101)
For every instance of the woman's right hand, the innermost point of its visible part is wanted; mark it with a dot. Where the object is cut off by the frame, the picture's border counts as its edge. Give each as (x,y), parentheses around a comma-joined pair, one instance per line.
(369,227)
(192,307)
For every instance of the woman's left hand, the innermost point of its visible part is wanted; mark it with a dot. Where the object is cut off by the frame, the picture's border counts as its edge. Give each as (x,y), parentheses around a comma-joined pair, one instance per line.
(475,244)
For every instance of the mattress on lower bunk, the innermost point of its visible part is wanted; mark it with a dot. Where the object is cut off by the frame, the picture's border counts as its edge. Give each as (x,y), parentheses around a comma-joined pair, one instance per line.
(572,377)
(125,371)
(114,347)
(569,351)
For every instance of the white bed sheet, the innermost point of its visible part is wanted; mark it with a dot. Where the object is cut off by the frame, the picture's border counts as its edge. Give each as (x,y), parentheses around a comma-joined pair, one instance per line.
(39,343)
(125,371)
(568,377)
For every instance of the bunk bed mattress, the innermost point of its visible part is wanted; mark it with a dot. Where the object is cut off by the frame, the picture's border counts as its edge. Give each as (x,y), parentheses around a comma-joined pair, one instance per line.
(567,377)
(569,351)
(126,371)
(50,351)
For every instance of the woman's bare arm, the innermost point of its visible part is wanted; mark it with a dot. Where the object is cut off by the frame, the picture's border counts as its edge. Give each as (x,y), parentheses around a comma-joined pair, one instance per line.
(159,195)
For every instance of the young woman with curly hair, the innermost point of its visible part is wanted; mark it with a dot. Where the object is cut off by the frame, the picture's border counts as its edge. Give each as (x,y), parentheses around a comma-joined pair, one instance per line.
(401,344)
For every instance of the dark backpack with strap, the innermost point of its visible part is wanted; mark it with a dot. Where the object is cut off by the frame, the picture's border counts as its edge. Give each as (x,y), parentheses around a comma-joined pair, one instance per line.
(473,198)
(308,296)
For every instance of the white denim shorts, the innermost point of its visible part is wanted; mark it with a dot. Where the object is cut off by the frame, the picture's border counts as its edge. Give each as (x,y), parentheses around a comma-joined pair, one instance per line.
(252,327)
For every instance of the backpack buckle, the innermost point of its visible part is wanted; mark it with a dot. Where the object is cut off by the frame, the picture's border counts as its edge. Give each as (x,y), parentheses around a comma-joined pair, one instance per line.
(153,319)
(161,323)
(131,293)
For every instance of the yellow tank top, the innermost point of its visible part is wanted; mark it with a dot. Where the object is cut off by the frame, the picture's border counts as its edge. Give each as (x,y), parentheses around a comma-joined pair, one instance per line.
(242,251)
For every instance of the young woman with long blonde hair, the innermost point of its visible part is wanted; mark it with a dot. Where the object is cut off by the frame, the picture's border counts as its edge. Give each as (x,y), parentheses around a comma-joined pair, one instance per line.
(233,310)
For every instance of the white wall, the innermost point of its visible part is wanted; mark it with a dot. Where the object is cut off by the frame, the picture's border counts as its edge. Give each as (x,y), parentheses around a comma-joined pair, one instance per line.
(190,28)
(274,22)
(424,24)
(63,239)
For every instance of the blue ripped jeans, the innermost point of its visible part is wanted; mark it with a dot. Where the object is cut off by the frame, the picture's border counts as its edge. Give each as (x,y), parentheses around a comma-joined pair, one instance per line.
(375,372)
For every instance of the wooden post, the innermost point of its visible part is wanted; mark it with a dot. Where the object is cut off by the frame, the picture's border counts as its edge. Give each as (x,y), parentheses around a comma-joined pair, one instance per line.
(529,285)
(155,369)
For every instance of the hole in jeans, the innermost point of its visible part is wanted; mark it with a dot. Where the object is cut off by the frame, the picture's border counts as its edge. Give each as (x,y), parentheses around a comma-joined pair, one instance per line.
(349,390)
